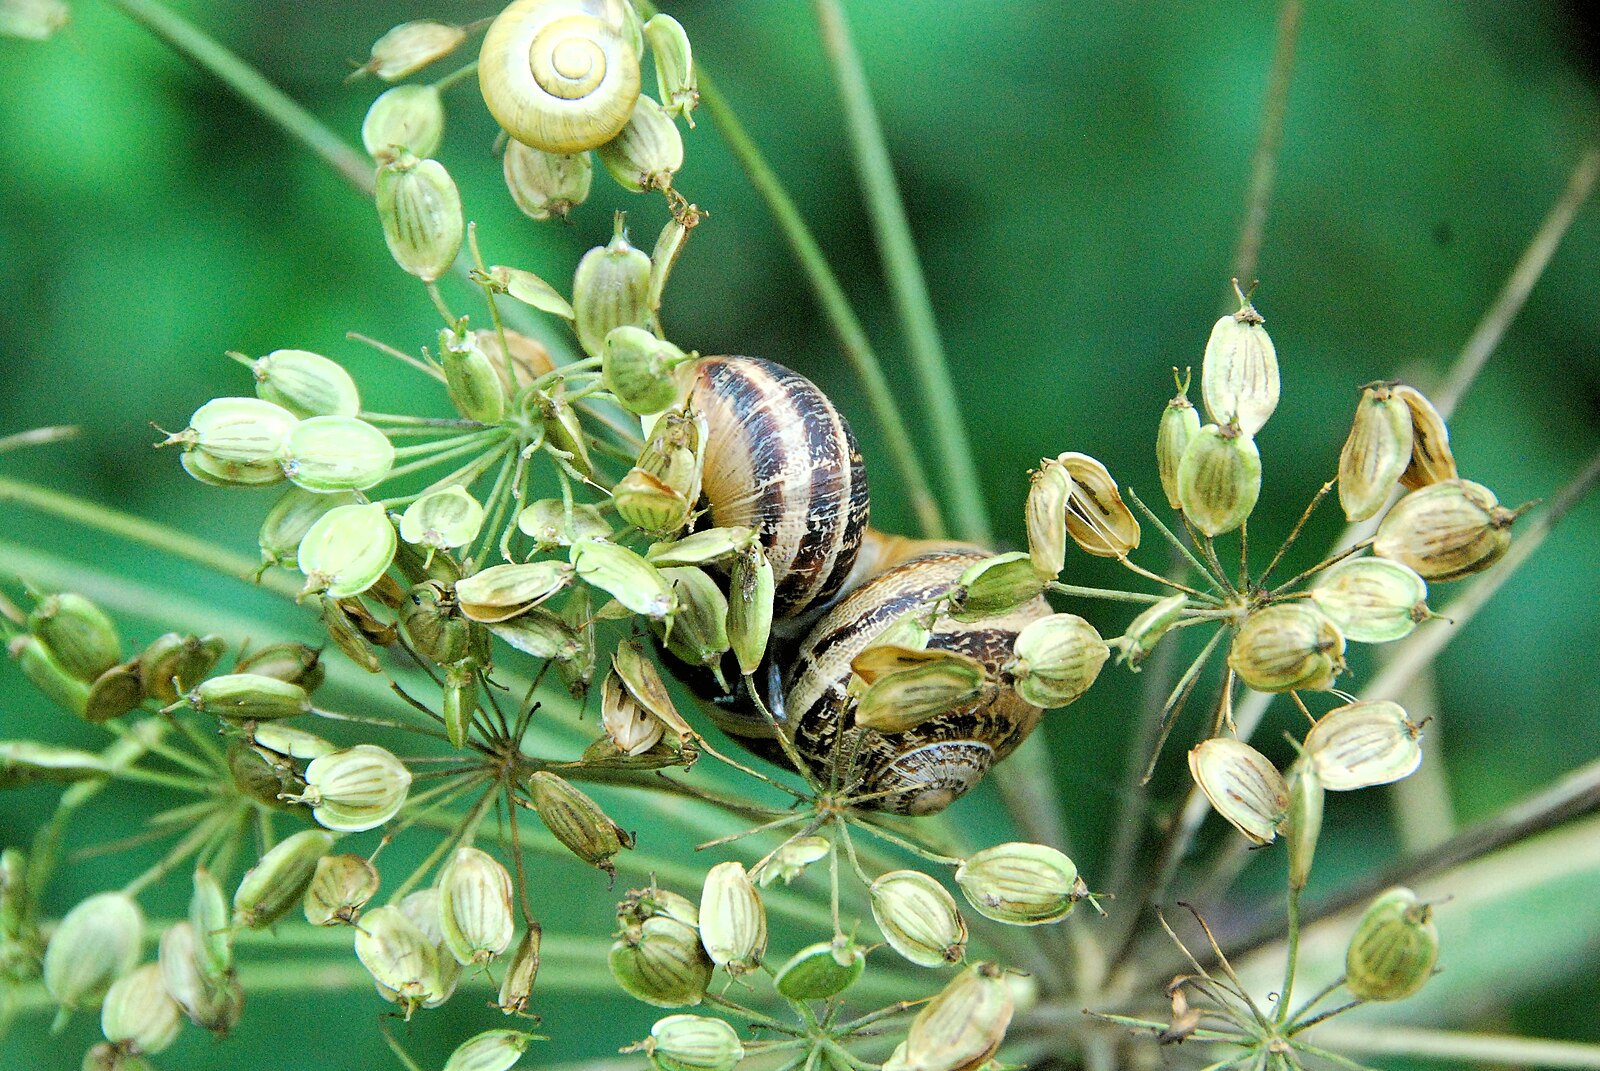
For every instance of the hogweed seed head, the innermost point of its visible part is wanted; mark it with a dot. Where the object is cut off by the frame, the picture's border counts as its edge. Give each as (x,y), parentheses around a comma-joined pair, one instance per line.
(1219,478)
(347,550)
(577,821)
(919,918)
(442,519)
(1446,530)
(410,47)
(1376,453)
(1287,647)
(337,453)
(1242,785)
(1021,884)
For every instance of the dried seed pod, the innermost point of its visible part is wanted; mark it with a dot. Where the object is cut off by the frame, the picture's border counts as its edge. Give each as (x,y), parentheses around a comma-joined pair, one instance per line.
(520,361)
(501,592)
(1372,600)
(547,185)
(522,969)
(356,789)
(996,586)
(1446,530)
(492,1050)
(80,636)
(733,922)
(529,289)
(611,289)
(275,885)
(693,1043)
(290,518)
(1239,374)
(577,821)
(403,962)
(1431,459)
(660,960)
(340,887)
(1376,453)
(291,742)
(475,907)
(214,1003)
(1180,423)
(962,1027)
(337,453)
(138,1014)
(405,119)
(1057,659)
(1242,785)
(1097,518)
(96,943)
(410,47)
(114,693)
(432,622)
(291,661)
(475,385)
(1048,492)
(623,575)
(1302,825)
(1287,647)
(1364,744)
(919,918)
(646,152)
(262,775)
(637,367)
(420,209)
(174,664)
(1392,953)
(669,44)
(931,684)
(1219,478)
(305,383)
(820,971)
(548,523)
(1146,630)
(650,505)
(245,697)
(1022,884)
(442,519)
(632,728)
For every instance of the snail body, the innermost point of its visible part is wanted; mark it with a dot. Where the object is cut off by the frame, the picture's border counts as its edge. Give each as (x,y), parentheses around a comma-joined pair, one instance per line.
(561,75)
(782,461)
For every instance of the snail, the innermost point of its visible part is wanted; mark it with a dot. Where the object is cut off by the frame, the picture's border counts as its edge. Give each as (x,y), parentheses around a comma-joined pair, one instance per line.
(782,460)
(562,75)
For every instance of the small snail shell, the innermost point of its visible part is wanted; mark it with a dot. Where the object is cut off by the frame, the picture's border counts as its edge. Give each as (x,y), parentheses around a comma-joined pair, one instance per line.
(561,75)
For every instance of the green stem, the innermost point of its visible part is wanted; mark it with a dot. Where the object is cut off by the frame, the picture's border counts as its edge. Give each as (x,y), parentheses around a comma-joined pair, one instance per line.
(963,490)
(1108,594)
(454,78)
(1293,956)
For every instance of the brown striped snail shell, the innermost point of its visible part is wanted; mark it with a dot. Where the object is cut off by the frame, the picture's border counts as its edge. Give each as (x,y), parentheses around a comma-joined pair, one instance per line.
(561,75)
(782,460)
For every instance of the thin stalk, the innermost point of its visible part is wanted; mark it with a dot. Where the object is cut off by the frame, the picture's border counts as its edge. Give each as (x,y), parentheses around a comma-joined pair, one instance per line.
(1291,959)
(963,490)
(1111,594)
(1177,544)
(1391,1039)
(1264,164)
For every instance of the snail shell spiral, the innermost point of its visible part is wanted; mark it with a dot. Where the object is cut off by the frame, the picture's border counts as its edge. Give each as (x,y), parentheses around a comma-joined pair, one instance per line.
(561,75)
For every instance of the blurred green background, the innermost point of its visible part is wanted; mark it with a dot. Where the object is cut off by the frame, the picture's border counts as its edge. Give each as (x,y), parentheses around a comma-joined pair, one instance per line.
(1075,177)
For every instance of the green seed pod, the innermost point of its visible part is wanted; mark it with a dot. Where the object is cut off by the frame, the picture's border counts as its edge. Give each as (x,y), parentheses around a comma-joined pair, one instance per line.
(547,184)
(996,586)
(664,254)
(919,918)
(1364,744)
(693,1043)
(174,664)
(1431,459)
(610,289)
(706,547)
(543,635)
(405,119)
(925,685)
(649,504)
(460,703)
(276,885)
(660,961)
(297,663)
(522,970)
(1097,518)
(78,633)
(290,518)
(632,728)
(244,697)
(475,386)
(637,367)
(962,1027)
(1239,374)
(96,943)
(1022,884)
(290,742)
(25,761)
(348,550)
(341,886)
(1219,478)
(623,575)
(577,821)
(1394,948)
(1057,659)
(262,775)
(33,20)
(792,857)
(342,630)
(306,384)
(420,210)
(1146,630)
(492,1050)
(442,519)
(475,907)
(422,909)
(1242,785)
(751,594)
(1372,600)
(1446,530)
(1048,493)
(356,789)
(1302,825)
(531,290)
(546,522)
(1287,647)
(1180,423)
(501,592)
(669,44)
(17,931)
(212,1003)
(410,47)
(216,472)
(249,430)
(564,432)
(48,675)
(648,152)
(820,971)
(1377,452)
(209,916)
(114,693)
(336,453)
(698,632)
(403,962)
(733,922)
(138,1014)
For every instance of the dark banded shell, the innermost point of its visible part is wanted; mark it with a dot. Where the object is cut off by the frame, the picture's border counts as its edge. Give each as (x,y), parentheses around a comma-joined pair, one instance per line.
(925,769)
(781,460)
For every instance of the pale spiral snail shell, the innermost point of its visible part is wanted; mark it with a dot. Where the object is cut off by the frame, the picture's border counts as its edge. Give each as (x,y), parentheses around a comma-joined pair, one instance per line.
(561,75)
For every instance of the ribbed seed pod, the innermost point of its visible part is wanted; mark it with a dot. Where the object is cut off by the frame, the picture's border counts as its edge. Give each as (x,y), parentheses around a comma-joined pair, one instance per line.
(1022,884)
(1377,452)
(577,821)
(173,665)
(637,367)
(1097,518)
(996,586)
(1239,374)
(410,47)
(1364,744)
(547,185)
(548,524)
(1180,422)
(669,44)
(522,970)
(1219,478)
(213,1002)
(138,1014)
(962,1027)
(79,634)
(919,918)
(501,592)
(1302,825)
(401,959)
(475,907)
(218,472)
(305,383)
(1057,659)
(356,789)
(1446,530)
(1372,600)
(1392,953)
(1287,647)
(341,886)
(791,858)
(337,453)
(1242,785)
(422,909)
(290,518)
(1431,459)
(492,1050)
(1047,518)
(275,885)
(405,119)
(610,289)
(624,575)
(733,922)
(248,430)
(1146,630)
(661,961)
(211,918)
(472,380)
(647,152)
(420,209)
(245,697)
(698,635)
(290,661)
(97,942)
(693,1043)
(48,675)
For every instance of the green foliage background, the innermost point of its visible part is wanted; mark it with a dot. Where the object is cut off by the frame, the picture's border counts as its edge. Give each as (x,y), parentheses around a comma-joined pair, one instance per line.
(1075,176)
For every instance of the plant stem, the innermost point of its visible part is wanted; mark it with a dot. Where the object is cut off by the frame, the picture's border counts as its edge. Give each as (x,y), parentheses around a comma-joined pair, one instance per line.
(963,489)
(1264,165)
(1291,959)
(1392,1039)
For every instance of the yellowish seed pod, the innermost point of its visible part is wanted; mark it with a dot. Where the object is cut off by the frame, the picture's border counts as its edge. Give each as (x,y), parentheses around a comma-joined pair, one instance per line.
(243,697)
(339,889)
(1377,452)
(1047,518)
(962,1027)
(410,47)
(1392,953)
(442,519)
(927,684)
(420,209)
(647,152)
(403,962)
(1446,530)
(405,119)
(693,1043)
(660,961)
(522,970)
(1180,422)
(1364,744)
(422,909)
(698,632)
(1097,518)
(1431,459)
(632,728)
(547,185)
(471,378)
(475,907)
(577,821)
(97,942)
(996,586)
(1021,884)
(623,575)
(1057,659)
(501,592)
(1239,374)
(733,922)
(919,918)
(650,505)
(1219,478)
(791,858)
(356,789)
(1372,600)
(492,1050)
(610,289)
(1146,630)
(213,1002)
(290,518)
(138,1014)
(247,430)
(1242,785)
(669,44)
(337,453)
(529,289)
(1287,647)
